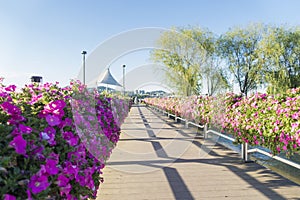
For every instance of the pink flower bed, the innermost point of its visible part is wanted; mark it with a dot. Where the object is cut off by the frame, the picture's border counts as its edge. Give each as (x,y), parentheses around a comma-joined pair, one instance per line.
(269,121)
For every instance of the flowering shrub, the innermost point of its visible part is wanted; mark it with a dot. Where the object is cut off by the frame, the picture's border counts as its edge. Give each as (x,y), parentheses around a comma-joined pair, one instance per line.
(269,121)
(194,108)
(54,141)
(261,119)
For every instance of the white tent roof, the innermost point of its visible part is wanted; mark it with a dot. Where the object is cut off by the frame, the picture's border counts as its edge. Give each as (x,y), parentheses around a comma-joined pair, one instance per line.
(107,78)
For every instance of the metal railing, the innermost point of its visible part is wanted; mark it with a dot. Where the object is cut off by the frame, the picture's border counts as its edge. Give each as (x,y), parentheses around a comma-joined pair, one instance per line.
(245,151)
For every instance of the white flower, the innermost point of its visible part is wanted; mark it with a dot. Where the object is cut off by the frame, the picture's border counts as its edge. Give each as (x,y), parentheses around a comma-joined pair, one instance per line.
(45,136)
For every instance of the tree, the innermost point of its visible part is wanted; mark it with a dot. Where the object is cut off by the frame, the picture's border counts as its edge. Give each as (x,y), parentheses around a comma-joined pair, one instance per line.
(189,55)
(216,78)
(183,57)
(240,48)
(213,71)
(281,52)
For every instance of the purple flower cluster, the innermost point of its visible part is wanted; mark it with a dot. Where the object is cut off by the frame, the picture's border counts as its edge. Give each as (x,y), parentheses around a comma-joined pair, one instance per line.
(58,140)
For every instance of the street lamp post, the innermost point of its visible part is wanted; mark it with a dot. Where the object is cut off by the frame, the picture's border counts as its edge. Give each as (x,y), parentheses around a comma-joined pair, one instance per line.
(124,79)
(83,64)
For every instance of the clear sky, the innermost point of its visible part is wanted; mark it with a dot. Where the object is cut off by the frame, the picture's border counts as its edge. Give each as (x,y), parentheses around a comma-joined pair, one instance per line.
(46,37)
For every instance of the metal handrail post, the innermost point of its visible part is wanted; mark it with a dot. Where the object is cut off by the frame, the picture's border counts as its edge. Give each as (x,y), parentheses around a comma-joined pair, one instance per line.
(205,132)
(186,124)
(245,154)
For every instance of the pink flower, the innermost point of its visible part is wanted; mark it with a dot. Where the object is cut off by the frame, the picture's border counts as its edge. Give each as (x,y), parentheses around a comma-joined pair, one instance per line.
(55,107)
(278,149)
(35,98)
(294,125)
(284,148)
(295,116)
(58,104)
(38,184)
(19,144)
(53,120)
(11,88)
(298,141)
(9,197)
(58,112)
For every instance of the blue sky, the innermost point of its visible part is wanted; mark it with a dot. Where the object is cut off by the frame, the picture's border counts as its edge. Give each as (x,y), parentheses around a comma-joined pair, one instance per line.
(46,37)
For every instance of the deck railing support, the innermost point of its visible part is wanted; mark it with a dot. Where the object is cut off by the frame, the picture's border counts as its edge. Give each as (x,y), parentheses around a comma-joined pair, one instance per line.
(186,123)
(244,152)
(205,131)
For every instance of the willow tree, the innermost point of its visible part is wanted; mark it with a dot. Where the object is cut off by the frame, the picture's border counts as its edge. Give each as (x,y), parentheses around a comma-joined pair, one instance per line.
(281,52)
(215,75)
(240,47)
(183,57)
(189,55)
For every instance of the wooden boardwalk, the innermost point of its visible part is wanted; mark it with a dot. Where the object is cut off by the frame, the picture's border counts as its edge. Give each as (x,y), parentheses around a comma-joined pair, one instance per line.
(157,158)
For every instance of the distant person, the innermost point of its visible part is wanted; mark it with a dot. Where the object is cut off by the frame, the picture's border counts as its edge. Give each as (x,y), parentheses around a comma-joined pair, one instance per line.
(135,100)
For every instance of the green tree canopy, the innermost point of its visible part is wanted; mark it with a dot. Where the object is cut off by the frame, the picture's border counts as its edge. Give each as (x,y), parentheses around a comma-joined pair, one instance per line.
(240,48)
(281,54)
(189,55)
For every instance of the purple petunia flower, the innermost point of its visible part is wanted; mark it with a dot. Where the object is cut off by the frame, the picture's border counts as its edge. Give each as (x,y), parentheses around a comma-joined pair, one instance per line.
(66,191)
(81,179)
(25,129)
(54,156)
(38,184)
(10,108)
(29,197)
(66,122)
(70,138)
(50,130)
(51,134)
(9,197)
(19,144)
(62,180)
(51,166)
(71,169)
(53,120)
(38,151)
(55,106)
